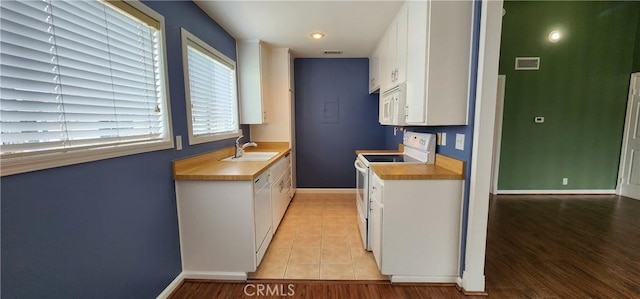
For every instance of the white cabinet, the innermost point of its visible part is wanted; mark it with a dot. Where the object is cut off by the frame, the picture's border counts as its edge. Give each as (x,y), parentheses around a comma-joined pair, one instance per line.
(227,226)
(438,65)
(374,70)
(280,103)
(416,227)
(376,221)
(280,189)
(394,51)
(253,87)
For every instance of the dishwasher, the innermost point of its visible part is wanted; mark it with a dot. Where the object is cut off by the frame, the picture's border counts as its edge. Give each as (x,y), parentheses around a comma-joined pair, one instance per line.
(262,210)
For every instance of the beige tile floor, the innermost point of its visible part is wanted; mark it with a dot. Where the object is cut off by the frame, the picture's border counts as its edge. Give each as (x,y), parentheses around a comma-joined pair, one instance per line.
(318,238)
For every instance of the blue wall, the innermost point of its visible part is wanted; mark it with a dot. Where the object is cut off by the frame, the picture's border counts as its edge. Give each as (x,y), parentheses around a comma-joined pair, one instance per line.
(325,143)
(449,150)
(105,229)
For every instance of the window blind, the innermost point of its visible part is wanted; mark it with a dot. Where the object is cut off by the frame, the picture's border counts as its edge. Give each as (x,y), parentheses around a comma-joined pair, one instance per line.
(77,74)
(212,92)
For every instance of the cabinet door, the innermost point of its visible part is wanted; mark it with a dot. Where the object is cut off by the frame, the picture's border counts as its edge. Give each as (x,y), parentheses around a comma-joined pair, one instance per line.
(264,77)
(416,61)
(278,202)
(252,76)
(374,70)
(391,54)
(401,44)
(375,224)
(386,75)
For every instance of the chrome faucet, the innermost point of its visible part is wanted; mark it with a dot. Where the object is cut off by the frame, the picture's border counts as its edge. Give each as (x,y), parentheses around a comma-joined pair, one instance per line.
(240,149)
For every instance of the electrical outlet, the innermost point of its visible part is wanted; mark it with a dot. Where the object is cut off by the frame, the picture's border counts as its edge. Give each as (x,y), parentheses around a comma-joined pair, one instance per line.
(179,142)
(565,181)
(460,142)
(444,139)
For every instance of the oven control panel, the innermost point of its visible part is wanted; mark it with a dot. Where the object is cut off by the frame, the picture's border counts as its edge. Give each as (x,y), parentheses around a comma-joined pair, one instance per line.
(419,141)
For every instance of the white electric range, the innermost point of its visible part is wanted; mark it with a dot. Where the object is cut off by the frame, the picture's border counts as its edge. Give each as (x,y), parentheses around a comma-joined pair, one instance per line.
(419,148)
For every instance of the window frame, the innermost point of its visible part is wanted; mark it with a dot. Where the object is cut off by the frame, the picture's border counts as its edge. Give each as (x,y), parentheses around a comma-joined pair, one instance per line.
(188,37)
(17,163)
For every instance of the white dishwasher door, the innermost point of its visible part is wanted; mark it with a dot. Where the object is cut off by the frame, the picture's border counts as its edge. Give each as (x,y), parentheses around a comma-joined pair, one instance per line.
(262,212)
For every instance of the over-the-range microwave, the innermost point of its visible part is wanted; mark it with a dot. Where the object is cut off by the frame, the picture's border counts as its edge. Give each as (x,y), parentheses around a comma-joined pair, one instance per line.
(393,109)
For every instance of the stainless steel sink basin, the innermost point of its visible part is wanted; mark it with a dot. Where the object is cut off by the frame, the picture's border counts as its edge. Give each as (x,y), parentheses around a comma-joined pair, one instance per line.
(251,156)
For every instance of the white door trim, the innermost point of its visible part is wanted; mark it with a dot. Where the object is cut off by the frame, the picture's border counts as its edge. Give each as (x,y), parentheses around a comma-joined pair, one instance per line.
(497,136)
(624,159)
(480,177)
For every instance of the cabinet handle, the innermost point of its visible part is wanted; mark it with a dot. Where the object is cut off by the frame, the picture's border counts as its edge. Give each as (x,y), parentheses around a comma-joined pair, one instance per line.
(374,187)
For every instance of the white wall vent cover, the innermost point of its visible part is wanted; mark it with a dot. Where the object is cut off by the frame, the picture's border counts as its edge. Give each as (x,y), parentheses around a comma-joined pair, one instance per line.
(527,63)
(332,52)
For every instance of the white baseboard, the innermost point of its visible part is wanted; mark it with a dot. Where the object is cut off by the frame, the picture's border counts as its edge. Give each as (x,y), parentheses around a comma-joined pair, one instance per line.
(235,276)
(175,283)
(579,191)
(326,190)
(473,281)
(423,279)
(232,276)
(459,281)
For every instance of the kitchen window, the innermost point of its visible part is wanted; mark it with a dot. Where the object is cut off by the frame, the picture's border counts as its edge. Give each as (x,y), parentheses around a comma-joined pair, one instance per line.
(80,81)
(211,91)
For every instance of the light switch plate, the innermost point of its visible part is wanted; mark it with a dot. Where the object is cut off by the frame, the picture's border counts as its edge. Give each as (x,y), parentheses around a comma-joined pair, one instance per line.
(179,142)
(444,139)
(460,142)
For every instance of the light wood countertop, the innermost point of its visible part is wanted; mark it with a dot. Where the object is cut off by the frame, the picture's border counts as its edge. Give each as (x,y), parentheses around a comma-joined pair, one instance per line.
(208,167)
(445,168)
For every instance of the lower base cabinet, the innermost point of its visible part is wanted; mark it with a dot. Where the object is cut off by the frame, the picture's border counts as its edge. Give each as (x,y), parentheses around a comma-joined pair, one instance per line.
(416,229)
(227,226)
(217,227)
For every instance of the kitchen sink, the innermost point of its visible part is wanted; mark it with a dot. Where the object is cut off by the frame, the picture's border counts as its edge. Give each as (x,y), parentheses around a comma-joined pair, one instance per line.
(251,156)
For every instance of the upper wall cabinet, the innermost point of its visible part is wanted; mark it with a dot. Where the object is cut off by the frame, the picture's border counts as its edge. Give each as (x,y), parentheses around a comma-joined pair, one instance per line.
(438,62)
(374,70)
(279,103)
(253,68)
(394,51)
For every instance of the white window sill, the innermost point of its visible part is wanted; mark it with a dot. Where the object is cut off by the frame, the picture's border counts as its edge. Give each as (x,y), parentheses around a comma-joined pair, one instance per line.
(17,165)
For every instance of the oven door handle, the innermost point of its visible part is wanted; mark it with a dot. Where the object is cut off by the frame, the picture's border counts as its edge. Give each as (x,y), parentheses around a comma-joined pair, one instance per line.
(359,167)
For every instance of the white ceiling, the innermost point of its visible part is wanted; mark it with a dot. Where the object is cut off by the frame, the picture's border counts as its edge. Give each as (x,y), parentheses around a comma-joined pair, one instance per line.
(351,26)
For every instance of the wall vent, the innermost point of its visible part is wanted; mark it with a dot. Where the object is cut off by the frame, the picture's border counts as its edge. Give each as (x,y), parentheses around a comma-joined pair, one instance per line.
(527,63)
(332,52)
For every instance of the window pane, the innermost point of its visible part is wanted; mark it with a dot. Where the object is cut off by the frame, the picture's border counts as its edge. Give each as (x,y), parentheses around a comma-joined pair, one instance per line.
(77,73)
(212,86)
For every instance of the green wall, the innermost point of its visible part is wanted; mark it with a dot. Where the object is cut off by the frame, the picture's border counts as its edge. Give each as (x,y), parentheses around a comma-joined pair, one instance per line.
(580,89)
(636,54)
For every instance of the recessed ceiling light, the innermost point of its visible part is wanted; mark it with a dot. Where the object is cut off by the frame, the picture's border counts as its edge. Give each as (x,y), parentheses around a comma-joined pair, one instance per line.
(317,35)
(554,36)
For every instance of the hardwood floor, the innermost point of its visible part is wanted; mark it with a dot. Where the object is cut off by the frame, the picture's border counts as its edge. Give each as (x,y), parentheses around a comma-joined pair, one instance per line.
(563,247)
(537,247)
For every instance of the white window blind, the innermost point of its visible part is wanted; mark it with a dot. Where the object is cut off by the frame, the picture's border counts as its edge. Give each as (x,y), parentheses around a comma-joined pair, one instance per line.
(78,74)
(211,92)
